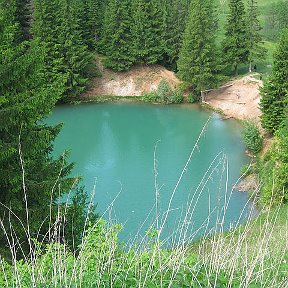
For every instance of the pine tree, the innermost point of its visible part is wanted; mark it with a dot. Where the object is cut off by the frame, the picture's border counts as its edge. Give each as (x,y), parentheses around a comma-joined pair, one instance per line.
(117,35)
(66,55)
(256,48)
(274,94)
(235,44)
(28,172)
(147,31)
(88,18)
(196,62)
(174,19)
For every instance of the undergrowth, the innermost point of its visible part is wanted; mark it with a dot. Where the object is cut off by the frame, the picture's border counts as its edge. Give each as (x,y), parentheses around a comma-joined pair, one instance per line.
(164,94)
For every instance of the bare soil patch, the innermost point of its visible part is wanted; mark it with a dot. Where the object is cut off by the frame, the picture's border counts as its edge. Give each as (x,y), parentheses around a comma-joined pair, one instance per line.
(239,100)
(138,80)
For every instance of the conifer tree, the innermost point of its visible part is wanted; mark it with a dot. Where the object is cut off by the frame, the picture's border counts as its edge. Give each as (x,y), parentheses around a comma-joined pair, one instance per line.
(147,33)
(117,35)
(196,62)
(274,94)
(28,172)
(174,18)
(235,44)
(56,27)
(88,18)
(256,48)
(31,181)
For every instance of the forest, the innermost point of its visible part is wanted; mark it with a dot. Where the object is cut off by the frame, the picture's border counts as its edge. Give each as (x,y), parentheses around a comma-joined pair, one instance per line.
(47,56)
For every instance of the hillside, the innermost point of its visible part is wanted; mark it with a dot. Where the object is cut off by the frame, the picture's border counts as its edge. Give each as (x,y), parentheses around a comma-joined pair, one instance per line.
(138,80)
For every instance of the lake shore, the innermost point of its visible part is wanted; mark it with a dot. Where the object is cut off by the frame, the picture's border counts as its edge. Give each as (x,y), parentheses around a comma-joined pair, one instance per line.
(240,99)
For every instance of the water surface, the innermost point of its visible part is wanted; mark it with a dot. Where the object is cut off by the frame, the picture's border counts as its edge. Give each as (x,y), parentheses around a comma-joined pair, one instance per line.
(113,146)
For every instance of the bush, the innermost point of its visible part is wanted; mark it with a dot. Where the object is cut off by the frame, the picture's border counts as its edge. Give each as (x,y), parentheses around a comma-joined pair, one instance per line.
(164,94)
(150,97)
(192,98)
(274,170)
(252,137)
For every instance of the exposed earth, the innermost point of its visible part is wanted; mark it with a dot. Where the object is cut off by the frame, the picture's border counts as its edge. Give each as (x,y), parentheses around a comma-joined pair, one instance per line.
(238,99)
(138,80)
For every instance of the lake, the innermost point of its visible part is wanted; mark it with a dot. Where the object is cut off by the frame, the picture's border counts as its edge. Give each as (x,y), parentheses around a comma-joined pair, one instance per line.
(135,153)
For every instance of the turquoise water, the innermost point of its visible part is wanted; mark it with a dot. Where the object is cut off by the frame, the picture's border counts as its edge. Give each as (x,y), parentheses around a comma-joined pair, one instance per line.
(113,146)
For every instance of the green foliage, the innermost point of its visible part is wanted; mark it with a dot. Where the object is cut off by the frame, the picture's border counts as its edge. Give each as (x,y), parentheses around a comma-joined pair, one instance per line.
(255,43)
(89,21)
(55,25)
(275,18)
(196,62)
(30,180)
(274,170)
(164,94)
(192,98)
(235,44)
(79,213)
(174,19)
(147,31)
(274,94)
(252,136)
(104,262)
(117,36)
(246,170)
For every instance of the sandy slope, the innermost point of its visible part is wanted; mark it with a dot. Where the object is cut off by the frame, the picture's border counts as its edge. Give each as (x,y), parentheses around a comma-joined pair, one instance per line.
(240,100)
(135,82)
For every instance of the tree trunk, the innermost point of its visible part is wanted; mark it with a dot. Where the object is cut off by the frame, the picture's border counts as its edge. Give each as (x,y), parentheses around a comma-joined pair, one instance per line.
(236,70)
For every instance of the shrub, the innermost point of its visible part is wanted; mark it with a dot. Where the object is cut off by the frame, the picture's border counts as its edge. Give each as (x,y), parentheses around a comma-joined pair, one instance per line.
(252,137)
(192,98)
(164,94)
(274,170)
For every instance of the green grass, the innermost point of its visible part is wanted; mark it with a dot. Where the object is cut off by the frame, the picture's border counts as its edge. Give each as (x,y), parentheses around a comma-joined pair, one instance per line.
(252,255)
(258,249)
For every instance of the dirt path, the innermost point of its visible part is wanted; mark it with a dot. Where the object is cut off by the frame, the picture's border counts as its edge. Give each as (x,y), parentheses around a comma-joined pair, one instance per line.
(239,100)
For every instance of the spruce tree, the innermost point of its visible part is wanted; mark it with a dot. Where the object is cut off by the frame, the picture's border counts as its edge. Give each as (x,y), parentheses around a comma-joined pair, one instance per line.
(88,18)
(196,62)
(274,94)
(147,31)
(56,27)
(174,19)
(31,181)
(235,44)
(28,173)
(256,48)
(117,35)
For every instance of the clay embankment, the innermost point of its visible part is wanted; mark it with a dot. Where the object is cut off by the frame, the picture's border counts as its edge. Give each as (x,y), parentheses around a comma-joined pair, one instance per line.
(239,100)
(135,82)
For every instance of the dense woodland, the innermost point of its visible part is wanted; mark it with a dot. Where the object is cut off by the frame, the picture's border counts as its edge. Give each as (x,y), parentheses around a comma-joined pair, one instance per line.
(47,55)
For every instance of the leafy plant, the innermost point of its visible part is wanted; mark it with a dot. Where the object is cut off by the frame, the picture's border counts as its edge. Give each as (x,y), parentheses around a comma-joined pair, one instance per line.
(164,94)
(252,136)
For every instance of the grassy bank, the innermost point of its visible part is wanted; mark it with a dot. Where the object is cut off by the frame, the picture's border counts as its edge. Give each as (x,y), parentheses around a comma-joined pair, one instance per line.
(253,255)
